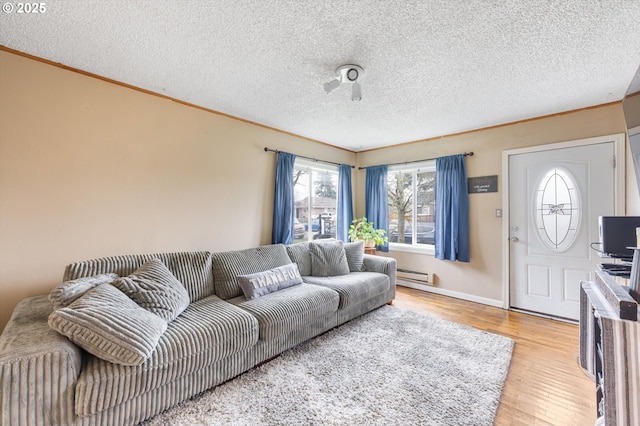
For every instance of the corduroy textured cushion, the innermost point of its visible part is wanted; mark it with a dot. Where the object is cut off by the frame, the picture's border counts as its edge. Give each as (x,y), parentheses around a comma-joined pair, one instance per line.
(207,332)
(299,254)
(109,325)
(192,269)
(67,292)
(328,259)
(228,265)
(290,310)
(156,289)
(265,282)
(355,288)
(355,255)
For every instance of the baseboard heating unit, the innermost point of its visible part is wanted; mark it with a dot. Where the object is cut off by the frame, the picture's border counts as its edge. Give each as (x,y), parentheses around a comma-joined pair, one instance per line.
(413,279)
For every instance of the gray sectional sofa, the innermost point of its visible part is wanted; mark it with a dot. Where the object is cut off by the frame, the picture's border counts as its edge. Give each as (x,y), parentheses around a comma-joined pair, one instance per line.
(228,315)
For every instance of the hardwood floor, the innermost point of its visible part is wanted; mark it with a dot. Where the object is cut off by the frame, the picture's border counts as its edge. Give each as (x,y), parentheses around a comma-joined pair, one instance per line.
(545,385)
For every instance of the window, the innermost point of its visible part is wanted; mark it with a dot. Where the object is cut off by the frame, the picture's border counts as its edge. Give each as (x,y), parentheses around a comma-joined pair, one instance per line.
(316,200)
(412,202)
(557,209)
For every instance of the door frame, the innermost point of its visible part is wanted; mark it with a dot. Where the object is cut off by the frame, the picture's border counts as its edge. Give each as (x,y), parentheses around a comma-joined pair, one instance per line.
(618,140)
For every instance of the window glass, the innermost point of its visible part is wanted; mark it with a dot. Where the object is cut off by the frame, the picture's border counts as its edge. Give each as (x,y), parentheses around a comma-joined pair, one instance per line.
(412,204)
(316,201)
(557,209)
(400,195)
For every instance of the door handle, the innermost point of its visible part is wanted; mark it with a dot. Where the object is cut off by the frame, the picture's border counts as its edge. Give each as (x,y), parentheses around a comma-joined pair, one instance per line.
(514,239)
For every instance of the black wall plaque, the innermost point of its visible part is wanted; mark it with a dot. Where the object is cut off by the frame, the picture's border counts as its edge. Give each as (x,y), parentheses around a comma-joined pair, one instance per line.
(482,184)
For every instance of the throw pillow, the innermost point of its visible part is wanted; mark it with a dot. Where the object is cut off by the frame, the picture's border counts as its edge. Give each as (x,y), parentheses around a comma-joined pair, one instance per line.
(355,255)
(109,325)
(66,293)
(328,259)
(153,287)
(265,282)
(299,254)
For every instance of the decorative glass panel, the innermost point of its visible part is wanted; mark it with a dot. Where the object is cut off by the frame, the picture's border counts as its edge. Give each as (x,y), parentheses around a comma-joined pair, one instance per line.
(557,209)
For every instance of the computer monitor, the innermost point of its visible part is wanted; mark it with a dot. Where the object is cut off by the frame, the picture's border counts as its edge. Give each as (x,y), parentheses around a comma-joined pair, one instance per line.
(617,233)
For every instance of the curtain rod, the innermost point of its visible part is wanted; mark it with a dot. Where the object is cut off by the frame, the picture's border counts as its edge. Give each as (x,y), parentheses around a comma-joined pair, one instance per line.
(466,154)
(308,158)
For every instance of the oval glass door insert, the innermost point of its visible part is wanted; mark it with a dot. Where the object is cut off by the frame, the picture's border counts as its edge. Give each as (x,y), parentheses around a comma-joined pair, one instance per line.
(557,209)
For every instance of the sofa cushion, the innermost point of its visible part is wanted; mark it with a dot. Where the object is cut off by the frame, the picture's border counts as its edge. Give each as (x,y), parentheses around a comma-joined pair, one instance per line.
(109,325)
(290,309)
(153,287)
(192,269)
(208,331)
(64,294)
(328,259)
(300,255)
(227,266)
(265,282)
(355,255)
(355,287)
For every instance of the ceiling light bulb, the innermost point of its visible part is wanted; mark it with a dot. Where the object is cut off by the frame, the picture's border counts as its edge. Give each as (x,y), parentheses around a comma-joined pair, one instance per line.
(356,92)
(331,86)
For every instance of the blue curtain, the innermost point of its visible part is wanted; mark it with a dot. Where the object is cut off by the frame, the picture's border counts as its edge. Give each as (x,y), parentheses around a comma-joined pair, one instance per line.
(345,204)
(376,200)
(283,203)
(452,209)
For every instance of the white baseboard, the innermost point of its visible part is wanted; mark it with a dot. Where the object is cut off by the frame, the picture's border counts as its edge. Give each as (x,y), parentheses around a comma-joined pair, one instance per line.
(451,293)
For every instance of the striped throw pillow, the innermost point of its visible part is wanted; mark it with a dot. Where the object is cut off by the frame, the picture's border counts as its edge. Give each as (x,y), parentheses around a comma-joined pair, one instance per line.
(109,325)
(155,288)
(355,255)
(66,293)
(328,259)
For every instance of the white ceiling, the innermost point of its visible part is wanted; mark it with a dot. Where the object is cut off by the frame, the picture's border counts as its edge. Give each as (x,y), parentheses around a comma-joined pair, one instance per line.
(432,67)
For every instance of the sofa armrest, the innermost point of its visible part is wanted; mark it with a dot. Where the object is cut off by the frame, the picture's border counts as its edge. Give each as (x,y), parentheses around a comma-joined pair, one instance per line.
(38,368)
(385,265)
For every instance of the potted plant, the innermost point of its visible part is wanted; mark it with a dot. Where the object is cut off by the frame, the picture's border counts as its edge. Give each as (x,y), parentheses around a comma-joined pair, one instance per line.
(362,229)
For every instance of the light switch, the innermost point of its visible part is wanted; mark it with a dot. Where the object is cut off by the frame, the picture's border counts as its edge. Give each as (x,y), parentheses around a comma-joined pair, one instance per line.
(498,212)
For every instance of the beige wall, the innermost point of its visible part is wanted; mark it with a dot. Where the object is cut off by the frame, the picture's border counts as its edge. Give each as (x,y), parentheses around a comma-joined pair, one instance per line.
(481,279)
(632,110)
(631,106)
(91,169)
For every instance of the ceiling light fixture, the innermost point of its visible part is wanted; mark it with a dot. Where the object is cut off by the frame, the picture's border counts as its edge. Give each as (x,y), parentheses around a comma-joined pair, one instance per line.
(347,74)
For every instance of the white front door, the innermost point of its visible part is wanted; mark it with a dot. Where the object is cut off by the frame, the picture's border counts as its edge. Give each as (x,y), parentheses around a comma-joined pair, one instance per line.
(555,198)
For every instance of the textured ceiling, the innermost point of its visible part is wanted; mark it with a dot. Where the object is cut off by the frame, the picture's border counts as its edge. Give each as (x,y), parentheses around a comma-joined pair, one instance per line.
(432,67)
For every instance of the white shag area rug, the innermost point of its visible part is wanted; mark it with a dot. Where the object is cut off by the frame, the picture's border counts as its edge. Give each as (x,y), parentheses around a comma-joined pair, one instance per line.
(389,367)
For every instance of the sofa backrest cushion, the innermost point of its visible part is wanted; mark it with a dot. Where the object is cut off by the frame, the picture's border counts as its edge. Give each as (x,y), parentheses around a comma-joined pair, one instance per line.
(300,255)
(192,269)
(227,266)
